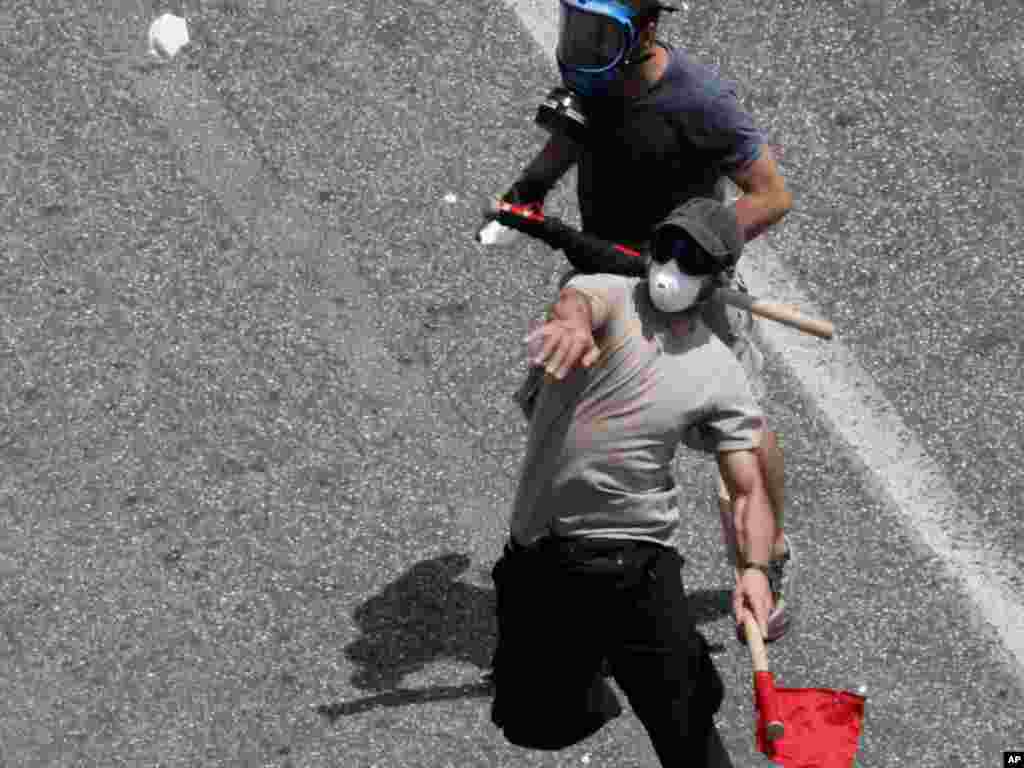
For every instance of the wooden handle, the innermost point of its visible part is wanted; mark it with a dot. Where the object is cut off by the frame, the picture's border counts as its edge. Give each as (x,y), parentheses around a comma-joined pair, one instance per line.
(758,654)
(780,313)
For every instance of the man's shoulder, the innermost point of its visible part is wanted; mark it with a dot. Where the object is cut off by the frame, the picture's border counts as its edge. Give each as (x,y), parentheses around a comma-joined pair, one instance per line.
(691,84)
(617,292)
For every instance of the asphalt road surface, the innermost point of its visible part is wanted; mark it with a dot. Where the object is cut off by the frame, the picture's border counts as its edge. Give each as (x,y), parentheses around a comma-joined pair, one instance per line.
(256,435)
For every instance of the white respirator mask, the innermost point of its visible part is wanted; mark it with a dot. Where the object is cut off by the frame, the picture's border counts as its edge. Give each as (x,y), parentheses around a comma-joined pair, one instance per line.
(671,289)
(694,244)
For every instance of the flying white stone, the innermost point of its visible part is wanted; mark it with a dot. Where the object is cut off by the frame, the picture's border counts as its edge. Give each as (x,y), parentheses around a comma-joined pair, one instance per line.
(167,35)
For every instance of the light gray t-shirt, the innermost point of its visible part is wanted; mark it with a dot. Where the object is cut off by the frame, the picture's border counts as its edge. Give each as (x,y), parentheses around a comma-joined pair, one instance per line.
(601,441)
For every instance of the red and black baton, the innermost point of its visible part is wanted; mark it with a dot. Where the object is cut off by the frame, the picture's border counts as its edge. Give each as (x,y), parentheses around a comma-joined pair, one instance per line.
(605,256)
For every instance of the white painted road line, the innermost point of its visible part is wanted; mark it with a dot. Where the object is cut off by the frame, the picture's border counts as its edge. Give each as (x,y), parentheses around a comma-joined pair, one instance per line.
(901,472)
(860,415)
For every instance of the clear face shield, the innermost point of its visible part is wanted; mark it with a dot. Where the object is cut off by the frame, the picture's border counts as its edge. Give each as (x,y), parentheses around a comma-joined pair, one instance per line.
(591,39)
(595,38)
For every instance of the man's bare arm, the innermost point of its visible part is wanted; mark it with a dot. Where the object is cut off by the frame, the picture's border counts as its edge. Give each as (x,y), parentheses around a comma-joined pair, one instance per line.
(765,198)
(755,523)
(755,532)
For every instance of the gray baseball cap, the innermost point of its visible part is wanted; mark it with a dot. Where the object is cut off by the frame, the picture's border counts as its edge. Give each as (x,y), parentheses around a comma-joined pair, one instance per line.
(703,236)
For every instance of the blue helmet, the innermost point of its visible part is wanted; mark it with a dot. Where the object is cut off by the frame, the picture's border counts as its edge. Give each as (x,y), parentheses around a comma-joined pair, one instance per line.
(597,39)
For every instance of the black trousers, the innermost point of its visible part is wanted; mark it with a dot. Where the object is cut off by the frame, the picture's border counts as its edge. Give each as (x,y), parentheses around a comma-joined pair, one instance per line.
(571,609)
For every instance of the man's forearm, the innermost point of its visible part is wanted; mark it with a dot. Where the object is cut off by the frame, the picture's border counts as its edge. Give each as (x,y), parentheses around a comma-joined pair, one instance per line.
(765,197)
(752,510)
(550,164)
(755,525)
(756,213)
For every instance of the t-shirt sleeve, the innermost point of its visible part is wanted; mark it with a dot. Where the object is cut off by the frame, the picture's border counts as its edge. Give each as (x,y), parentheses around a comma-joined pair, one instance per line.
(603,291)
(735,427)
(732,421)
(717,123)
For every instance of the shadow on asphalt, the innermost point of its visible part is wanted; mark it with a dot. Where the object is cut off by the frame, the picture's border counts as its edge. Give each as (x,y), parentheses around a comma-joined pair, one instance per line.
(424,616)
(708,605)
(428,615)
(405,697)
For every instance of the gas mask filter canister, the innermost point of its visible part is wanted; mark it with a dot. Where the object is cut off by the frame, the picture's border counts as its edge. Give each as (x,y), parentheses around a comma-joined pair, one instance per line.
(561,113)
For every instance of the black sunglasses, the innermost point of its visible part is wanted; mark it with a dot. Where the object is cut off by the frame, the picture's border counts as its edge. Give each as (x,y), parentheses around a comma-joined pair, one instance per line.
(676,243)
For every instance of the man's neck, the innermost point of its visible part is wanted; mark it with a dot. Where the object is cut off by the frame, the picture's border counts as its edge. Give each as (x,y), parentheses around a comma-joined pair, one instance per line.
(648,73)
(653,69)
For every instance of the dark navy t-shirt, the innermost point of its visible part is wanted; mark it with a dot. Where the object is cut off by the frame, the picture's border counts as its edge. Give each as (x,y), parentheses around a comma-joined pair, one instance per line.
(645,157)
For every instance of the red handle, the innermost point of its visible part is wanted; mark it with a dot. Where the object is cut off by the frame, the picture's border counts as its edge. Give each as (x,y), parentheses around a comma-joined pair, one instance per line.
(767,703)
(765,699)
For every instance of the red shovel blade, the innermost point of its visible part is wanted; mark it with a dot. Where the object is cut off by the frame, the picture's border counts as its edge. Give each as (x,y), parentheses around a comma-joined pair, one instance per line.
(822,727)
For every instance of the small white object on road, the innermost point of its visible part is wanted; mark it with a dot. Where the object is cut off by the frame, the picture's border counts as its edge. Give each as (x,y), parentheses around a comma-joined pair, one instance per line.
(494,233)
(167,35)
(450,198)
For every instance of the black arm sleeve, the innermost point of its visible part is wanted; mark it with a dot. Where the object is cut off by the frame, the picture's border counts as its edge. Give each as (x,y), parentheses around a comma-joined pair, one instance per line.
(589,254)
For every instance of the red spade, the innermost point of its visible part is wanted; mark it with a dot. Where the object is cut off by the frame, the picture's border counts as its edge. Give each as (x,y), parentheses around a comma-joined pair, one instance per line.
(802,727)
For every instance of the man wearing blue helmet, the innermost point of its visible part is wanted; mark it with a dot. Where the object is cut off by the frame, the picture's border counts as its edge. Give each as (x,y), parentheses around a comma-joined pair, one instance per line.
(649,128)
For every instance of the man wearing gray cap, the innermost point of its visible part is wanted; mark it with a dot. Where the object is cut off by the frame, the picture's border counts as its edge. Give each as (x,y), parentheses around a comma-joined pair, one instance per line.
(649,128)
(590,581)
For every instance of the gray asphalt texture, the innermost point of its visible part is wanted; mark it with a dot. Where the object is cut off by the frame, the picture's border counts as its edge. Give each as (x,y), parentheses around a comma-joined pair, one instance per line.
(900,127)
(256,435)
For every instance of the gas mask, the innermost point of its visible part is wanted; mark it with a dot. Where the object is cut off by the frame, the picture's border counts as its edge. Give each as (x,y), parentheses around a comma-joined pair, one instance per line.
(598,41)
